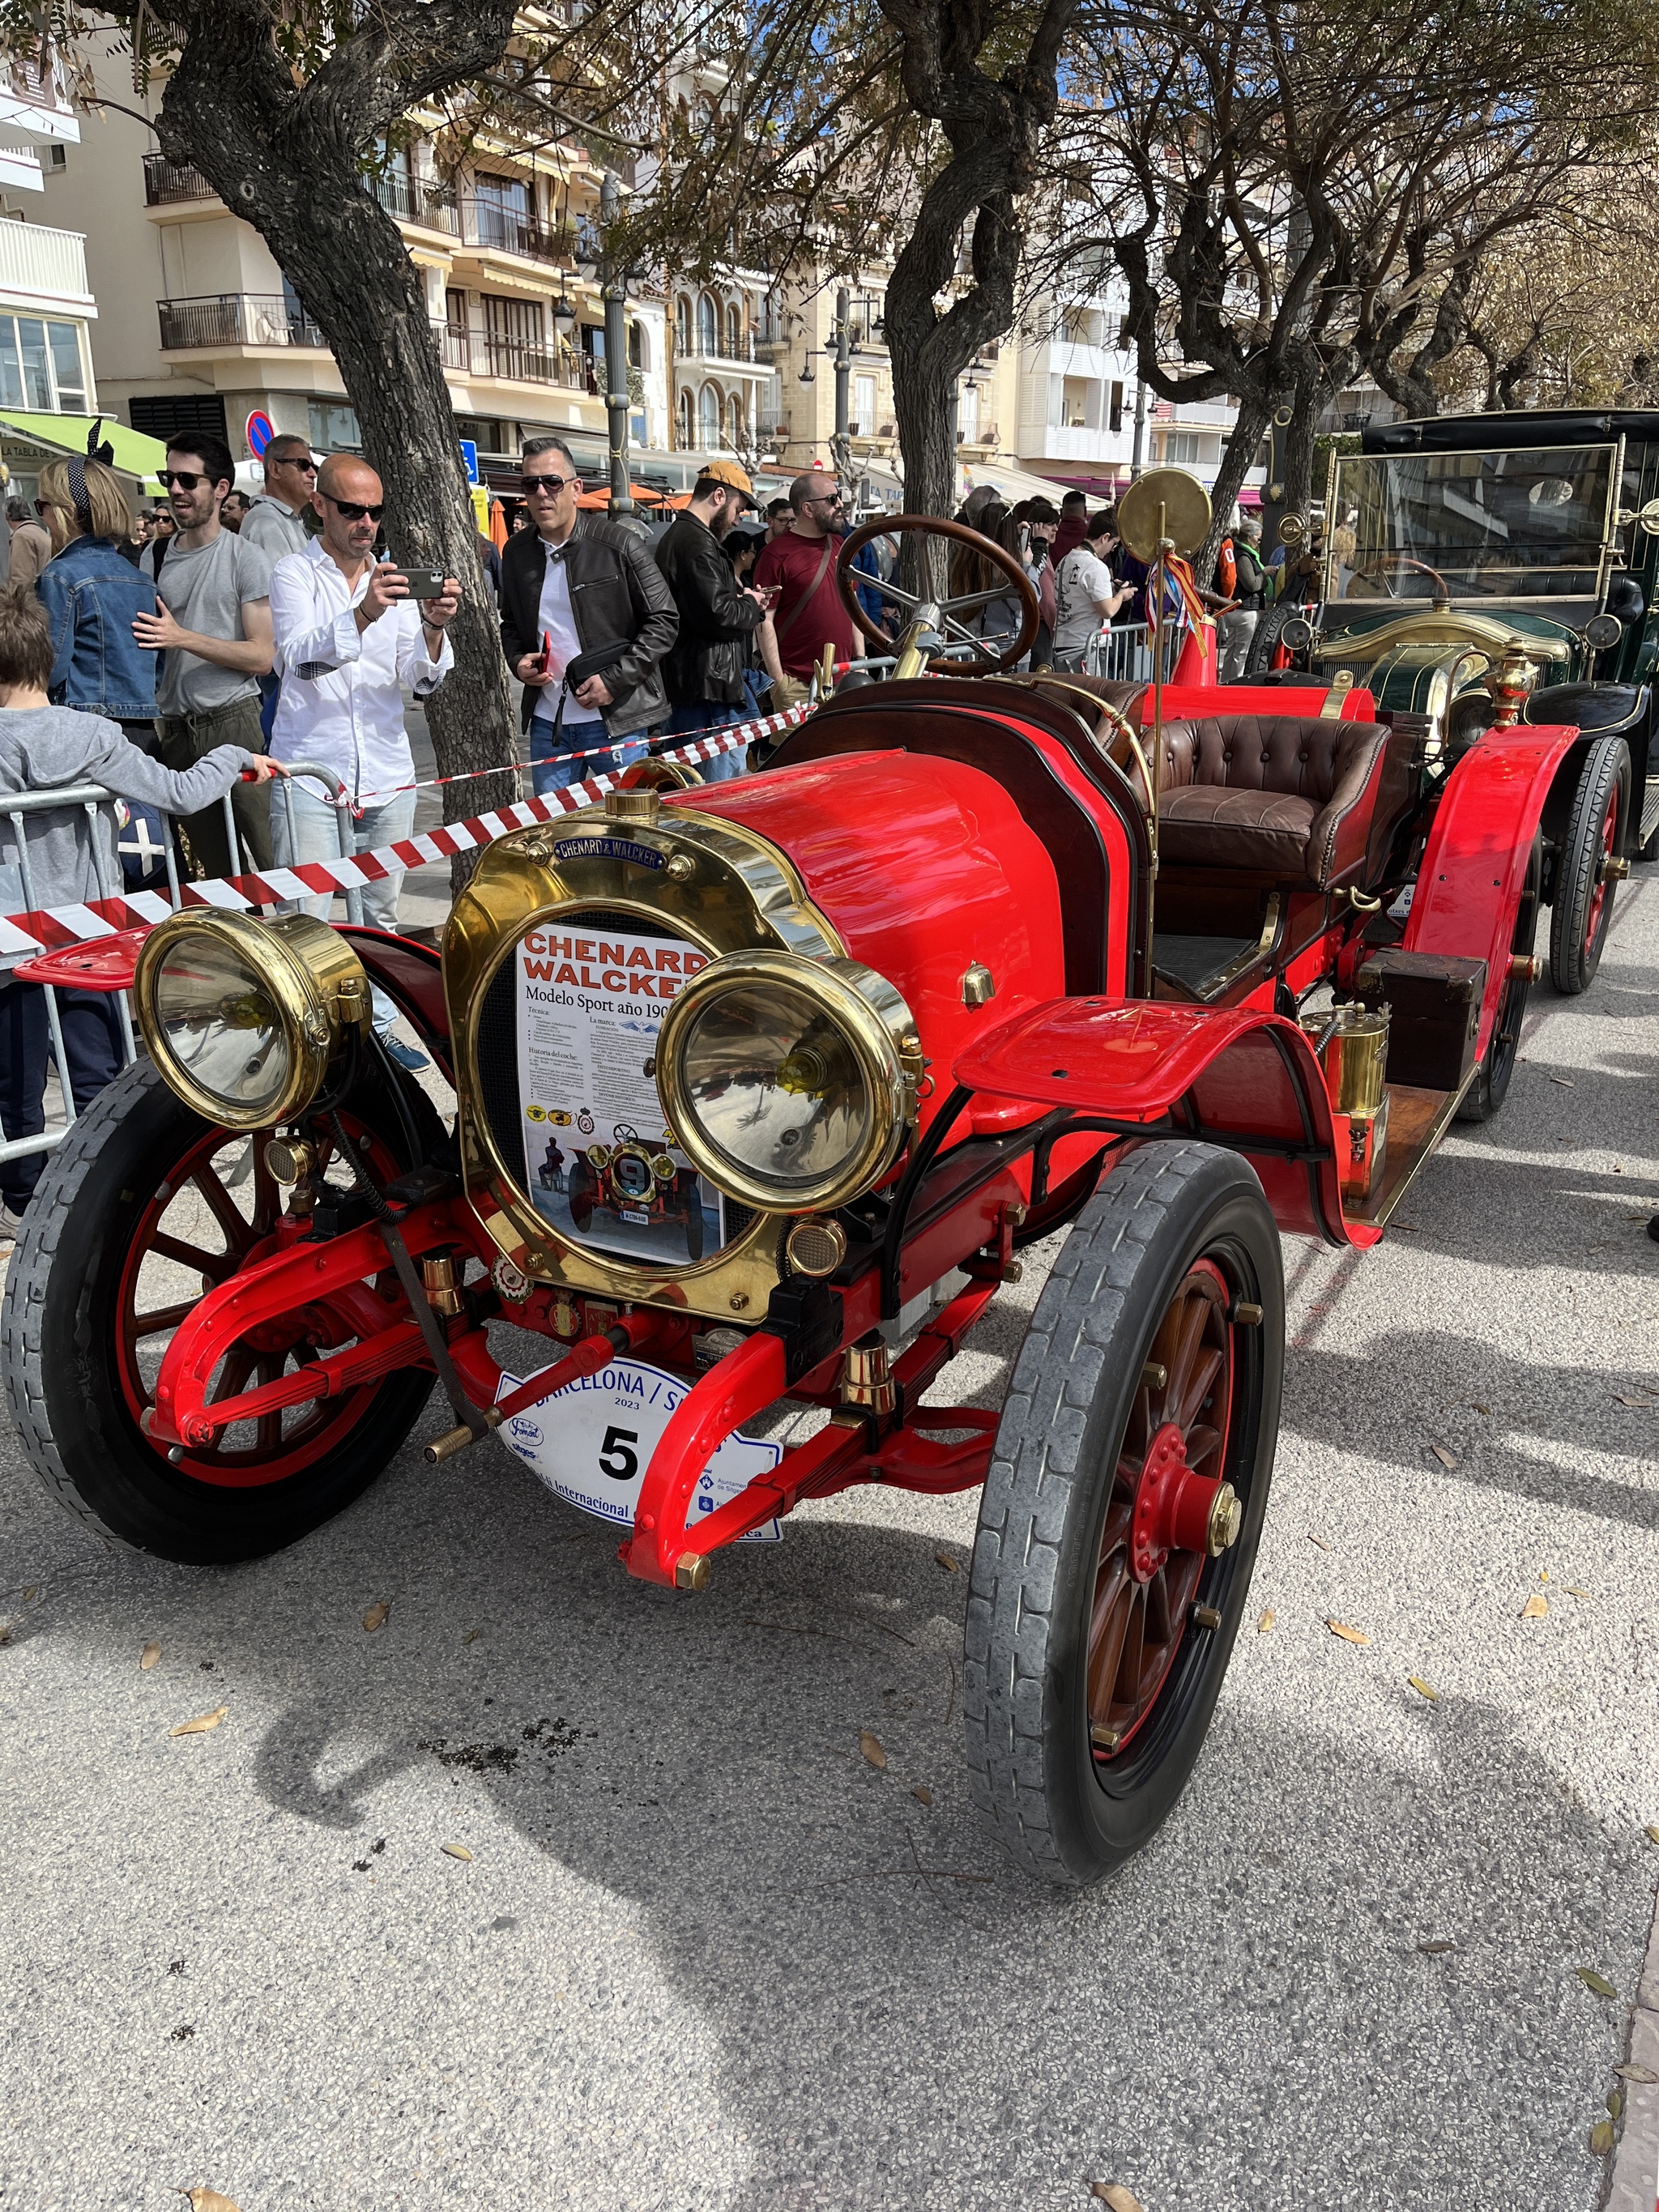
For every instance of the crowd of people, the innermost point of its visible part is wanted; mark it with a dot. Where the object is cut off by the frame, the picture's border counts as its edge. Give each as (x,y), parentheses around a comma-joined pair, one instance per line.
(196,650)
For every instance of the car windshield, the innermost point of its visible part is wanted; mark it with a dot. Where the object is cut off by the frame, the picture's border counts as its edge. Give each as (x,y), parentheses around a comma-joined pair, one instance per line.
(1522,525)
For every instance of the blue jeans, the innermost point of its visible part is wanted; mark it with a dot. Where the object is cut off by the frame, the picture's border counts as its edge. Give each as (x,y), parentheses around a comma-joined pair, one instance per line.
(92,1044)
(314,837)
(553,767)
(709,714)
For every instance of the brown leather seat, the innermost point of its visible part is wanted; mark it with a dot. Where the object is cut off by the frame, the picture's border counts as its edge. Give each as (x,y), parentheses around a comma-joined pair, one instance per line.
(1291,798)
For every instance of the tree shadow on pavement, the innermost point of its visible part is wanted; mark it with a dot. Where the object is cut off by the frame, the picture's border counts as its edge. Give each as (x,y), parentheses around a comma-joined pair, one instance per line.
(895,2018)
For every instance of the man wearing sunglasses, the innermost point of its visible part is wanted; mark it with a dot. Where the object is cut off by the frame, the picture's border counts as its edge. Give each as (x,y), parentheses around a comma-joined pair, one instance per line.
(349,641)
(800,565)
(579,585)
(212,628)
(275,522)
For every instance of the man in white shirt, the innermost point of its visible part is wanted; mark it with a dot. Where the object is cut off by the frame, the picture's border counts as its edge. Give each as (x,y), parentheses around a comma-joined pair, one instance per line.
(1085,595)
(348,636)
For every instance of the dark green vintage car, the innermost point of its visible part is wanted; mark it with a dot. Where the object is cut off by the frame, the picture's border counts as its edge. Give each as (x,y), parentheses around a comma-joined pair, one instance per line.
(1465,558)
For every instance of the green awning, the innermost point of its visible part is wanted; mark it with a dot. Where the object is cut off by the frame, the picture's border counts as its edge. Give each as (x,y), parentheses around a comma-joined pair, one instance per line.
(135,455)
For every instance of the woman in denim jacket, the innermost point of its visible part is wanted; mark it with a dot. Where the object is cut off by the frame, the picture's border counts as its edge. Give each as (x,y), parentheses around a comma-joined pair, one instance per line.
(91,593)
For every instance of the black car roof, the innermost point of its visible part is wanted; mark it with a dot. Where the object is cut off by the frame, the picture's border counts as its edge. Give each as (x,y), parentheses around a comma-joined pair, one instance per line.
(1533,427)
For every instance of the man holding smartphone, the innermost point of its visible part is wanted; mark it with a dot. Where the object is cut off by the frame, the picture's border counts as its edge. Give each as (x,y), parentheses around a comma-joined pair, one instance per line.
(578,588)
(350,634)
(718,615)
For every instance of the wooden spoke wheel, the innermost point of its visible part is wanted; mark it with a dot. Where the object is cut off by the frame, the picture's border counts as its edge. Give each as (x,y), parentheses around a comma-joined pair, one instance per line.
(141,1209)
(1120,1521)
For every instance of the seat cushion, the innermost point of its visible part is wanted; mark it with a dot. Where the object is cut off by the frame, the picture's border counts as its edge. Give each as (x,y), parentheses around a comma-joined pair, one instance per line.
(1207,826)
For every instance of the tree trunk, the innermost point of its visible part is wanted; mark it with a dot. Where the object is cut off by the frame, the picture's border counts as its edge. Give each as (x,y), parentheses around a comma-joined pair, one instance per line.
(301,190)
(1254,414)
(1309,396)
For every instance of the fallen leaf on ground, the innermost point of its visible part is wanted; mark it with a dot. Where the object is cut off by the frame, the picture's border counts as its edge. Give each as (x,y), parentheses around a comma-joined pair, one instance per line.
(1444,1457)
(455,1850)
(1348,1634)
(375,1617)
(1616,2103)
(202,1723)
(30,1593)
(1119,2198)
(1619,1399)
(1536,1606)
(1592,1980)
(951,1566)
(1483,1409)
(208,2200)
(922,1797)
(1320,1540)
(1543,1574)
(1266,1621)
(1424,1689)
(870,1745)
(1573,1590)
(1566,1082)
(1434,1950)
(471,1636)
(148,1657)
(1600,2138)
(1651,1832)
(1636,2073)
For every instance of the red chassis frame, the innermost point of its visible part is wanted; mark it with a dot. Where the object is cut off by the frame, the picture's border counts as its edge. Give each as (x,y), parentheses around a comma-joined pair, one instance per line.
(1121,1072)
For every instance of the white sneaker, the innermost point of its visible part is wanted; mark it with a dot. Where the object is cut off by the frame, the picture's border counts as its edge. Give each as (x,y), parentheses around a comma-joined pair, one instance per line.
(11,1224)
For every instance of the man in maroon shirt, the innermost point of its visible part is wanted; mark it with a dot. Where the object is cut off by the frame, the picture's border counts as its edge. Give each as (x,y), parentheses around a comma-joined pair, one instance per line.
(1074,527)
(800,563)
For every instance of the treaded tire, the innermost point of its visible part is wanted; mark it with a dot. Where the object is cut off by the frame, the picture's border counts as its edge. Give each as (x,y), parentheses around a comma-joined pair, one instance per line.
(1575,946)
(1043,1510)
(1259,659)
(56,1329)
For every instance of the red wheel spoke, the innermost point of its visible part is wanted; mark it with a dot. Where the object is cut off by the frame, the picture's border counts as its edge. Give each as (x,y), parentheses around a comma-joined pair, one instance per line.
(1202,1442)
(226,1212)
(1159,1624)
(1190,1319)
(1205,1368)
(152,1324)
(1107,1633)
(1126,1687)
(215,1266)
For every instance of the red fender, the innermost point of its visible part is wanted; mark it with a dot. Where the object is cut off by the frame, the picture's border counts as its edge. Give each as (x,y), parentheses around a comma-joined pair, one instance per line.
(1238,1076)
(1183,701)
(1475,868)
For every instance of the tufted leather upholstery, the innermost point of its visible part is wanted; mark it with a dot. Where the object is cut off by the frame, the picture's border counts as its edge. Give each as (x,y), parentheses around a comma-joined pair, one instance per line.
(1291,796)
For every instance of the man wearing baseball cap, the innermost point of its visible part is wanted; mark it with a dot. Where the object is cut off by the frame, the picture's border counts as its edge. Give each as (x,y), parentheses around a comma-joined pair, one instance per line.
(704,667)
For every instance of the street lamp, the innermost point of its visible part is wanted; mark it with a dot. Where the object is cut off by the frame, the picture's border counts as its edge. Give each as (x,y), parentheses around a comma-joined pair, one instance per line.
(808,374)
(564,315)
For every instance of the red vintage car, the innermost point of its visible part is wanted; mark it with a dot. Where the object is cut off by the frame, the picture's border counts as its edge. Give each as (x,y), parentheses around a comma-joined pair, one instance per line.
(934,985)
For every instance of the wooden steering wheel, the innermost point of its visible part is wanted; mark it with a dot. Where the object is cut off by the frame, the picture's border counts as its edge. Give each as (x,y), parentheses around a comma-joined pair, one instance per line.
(849,581)
(1378,572)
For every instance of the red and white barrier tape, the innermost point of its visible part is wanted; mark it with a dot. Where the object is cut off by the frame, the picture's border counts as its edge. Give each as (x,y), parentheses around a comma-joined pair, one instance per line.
(49,929)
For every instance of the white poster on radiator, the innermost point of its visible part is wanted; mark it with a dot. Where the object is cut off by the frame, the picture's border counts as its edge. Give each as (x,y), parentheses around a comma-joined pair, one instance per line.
(593,1441)
(598,1163)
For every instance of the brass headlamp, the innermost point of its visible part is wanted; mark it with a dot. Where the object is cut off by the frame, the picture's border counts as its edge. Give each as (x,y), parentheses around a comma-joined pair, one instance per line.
(788,1082)
(243,1018)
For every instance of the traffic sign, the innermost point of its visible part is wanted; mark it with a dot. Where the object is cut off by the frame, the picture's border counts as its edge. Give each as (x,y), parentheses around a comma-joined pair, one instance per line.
(260,432)
(470,455)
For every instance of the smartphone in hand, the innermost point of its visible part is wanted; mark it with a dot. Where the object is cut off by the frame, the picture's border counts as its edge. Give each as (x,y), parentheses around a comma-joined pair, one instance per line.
(544,665)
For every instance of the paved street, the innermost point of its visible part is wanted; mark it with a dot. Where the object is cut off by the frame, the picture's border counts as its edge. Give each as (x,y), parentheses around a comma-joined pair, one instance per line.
(703,1955)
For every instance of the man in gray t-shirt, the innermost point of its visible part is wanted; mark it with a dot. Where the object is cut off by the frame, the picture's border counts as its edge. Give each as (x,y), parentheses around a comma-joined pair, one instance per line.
(213,631)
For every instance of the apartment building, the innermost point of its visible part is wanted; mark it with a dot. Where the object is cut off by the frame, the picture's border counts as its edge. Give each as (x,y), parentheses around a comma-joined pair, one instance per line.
(47,308)
(199,326)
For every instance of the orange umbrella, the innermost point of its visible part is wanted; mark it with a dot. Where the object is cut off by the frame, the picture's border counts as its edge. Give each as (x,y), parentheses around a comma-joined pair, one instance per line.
(643,496)
(498,530)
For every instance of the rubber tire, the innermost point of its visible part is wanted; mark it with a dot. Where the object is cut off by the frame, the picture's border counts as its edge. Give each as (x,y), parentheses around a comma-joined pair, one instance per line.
(68,1403)
(1258,660)
(1607,763)
(1492,1083)
(1031,1771)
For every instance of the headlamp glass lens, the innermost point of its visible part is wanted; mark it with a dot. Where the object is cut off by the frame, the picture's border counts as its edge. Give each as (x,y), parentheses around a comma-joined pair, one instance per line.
(216,1017)
(775,1084)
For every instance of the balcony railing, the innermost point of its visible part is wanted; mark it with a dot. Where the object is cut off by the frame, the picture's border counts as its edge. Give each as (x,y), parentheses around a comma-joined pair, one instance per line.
(722,354)
(488,223)
(165,182)
(483,352)
(412,199)
(249,319)
(33,257)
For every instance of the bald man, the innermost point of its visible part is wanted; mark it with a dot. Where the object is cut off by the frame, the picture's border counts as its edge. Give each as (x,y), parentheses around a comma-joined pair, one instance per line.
(349,640)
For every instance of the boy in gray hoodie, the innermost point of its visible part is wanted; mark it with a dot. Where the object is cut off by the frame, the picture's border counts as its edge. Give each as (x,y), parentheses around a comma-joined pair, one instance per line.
(45,748)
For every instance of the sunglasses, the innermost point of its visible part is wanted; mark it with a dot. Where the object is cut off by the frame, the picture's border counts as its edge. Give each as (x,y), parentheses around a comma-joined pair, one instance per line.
(530,485)
(353,510)
(186,479)
(292,461)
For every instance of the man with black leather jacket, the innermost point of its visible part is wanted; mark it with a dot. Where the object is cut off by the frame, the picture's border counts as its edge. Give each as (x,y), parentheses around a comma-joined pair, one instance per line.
(718,615)
(578,587)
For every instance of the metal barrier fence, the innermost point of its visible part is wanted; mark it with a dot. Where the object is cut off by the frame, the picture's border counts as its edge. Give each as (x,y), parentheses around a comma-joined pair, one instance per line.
(1123,653)
(18,808)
